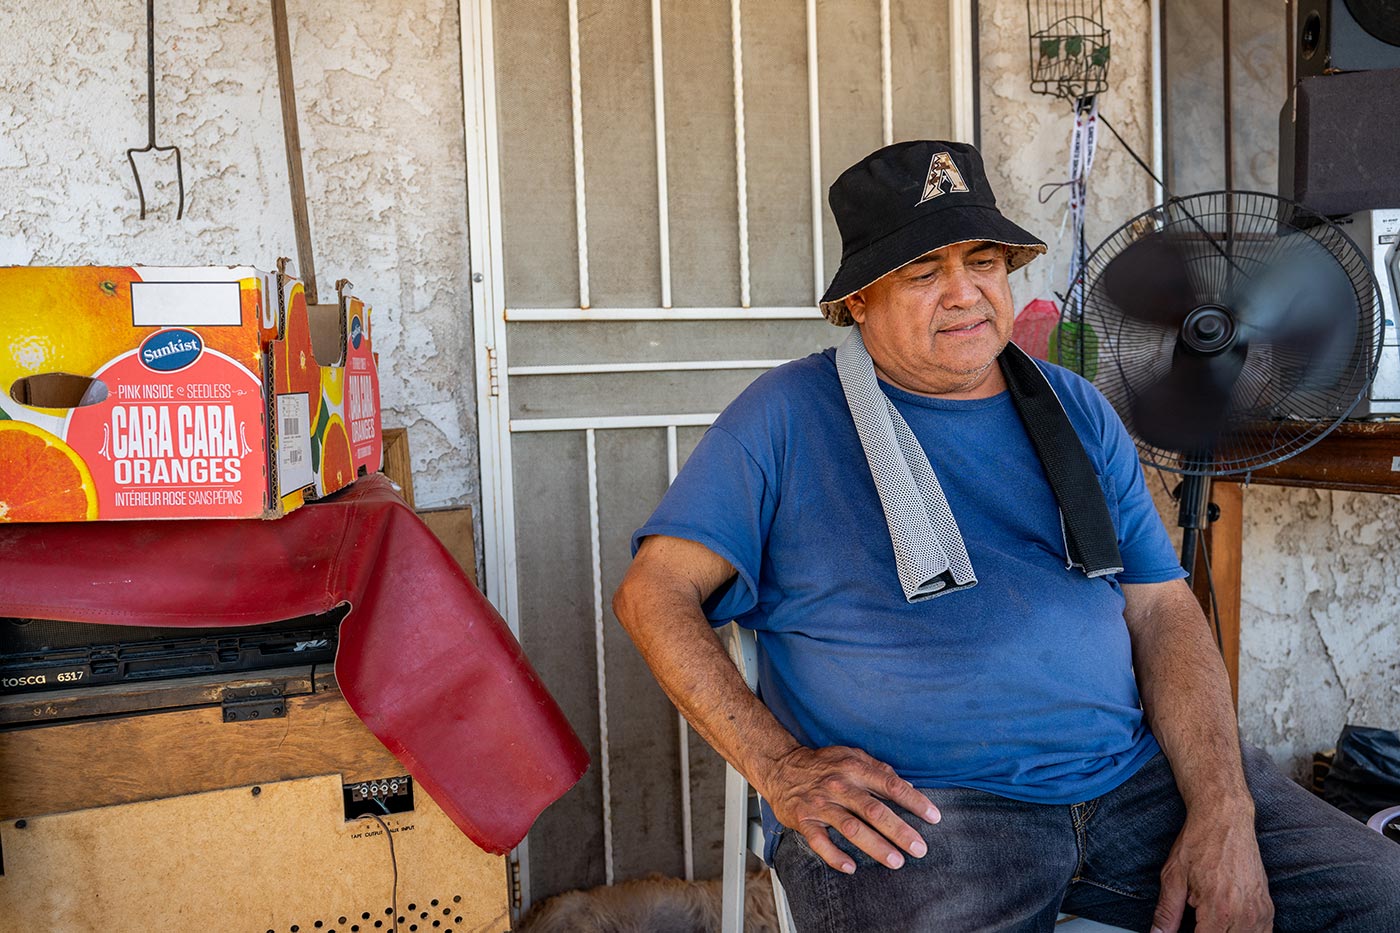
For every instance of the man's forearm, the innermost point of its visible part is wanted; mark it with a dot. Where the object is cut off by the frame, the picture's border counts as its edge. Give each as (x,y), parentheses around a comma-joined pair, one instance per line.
(1186,696)
(687,659)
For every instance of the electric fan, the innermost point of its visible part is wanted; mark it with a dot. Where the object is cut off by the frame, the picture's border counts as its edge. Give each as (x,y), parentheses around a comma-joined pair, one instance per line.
(1230,330)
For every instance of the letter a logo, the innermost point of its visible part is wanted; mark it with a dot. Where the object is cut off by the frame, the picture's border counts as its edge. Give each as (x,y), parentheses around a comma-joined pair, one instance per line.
(941,170)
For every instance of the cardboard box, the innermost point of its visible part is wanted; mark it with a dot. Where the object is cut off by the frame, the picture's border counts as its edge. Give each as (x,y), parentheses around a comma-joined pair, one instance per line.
(159,392)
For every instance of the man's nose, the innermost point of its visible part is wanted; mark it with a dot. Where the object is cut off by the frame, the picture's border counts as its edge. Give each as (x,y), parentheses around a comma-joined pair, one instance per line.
(961,290)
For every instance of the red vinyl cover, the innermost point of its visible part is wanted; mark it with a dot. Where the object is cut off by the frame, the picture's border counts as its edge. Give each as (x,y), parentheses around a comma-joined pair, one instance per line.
(424,660)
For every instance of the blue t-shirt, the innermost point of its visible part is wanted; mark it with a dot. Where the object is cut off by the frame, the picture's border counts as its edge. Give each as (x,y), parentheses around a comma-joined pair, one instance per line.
(1021,685)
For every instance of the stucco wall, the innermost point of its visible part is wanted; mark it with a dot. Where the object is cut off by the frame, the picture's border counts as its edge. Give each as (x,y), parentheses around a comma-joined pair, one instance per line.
(1319,643)
(1025,137)
(379,93)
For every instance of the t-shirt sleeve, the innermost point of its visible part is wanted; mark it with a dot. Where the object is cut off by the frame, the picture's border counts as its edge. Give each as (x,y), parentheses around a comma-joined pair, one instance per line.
(722,499)
(1148,553)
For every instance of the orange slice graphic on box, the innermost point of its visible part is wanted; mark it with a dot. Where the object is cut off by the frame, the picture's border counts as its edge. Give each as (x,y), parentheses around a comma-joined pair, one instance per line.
(337,465)
(76,319)
(333,384)
(41,478)
(70,320)
(296,367)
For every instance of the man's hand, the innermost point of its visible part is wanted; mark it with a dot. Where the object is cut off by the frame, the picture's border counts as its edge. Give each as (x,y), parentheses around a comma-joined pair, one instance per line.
(1214,866)
(844,788)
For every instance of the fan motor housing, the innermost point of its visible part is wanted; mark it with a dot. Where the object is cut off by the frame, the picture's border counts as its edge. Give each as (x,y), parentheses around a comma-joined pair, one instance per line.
(1208,330)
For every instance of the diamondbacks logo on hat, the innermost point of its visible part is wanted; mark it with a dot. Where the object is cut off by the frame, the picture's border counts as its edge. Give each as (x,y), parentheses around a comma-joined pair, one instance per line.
(941,171)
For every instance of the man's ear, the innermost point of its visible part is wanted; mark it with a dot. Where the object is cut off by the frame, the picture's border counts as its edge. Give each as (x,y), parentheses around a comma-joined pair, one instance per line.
(855,304)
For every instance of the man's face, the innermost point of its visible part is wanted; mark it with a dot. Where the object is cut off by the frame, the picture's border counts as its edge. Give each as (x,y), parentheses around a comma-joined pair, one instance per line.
(936,326)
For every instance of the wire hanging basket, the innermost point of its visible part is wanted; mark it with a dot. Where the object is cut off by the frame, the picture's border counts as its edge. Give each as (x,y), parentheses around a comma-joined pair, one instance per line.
(1069,47)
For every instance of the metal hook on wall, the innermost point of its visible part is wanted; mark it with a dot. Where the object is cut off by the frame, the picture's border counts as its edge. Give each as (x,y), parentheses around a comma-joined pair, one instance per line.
(151,120)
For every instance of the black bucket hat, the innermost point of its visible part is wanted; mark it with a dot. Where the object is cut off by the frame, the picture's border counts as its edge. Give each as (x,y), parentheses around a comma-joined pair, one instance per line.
(908,199)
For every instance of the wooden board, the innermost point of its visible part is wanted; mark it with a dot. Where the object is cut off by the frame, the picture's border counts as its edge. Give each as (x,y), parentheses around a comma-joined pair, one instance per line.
(121,759)
(275,857)
(1223,545)
(48,706)
(398,464)
(1361,456)
(453,528)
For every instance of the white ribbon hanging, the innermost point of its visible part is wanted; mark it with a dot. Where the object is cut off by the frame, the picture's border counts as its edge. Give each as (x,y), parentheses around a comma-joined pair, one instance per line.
(1082,145)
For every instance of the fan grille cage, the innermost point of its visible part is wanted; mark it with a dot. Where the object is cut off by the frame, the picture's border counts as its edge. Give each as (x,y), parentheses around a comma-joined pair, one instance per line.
(1229,240)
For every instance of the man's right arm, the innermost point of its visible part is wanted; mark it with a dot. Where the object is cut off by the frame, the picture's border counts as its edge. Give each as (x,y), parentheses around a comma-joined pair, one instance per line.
(659,604)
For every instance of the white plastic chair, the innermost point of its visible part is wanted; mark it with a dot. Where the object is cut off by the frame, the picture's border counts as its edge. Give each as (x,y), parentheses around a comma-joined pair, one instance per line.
(1379,821)
(743,828)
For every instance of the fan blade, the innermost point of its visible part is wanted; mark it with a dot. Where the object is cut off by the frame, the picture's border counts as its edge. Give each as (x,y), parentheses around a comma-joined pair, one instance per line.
(1188,408)
(1303,303)
(1149,281)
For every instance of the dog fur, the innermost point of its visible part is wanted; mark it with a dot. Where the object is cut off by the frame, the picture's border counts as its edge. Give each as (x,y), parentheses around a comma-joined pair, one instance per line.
(654,904)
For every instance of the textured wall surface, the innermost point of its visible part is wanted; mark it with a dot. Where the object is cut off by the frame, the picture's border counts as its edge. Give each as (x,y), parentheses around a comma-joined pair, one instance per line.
(1025,138)
(1320,644)
(379,93)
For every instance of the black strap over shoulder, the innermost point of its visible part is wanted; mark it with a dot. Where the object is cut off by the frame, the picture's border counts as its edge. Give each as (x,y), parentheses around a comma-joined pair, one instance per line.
(1089,534)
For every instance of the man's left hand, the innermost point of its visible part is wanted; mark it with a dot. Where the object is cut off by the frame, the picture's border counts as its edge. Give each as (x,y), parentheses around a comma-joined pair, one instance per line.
(1215,867)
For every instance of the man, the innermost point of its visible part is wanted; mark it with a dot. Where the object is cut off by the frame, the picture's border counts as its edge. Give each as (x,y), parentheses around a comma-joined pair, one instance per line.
(988,695)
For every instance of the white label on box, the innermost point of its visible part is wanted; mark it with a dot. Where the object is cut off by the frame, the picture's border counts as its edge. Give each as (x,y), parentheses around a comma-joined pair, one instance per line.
(186,304)
(293,443)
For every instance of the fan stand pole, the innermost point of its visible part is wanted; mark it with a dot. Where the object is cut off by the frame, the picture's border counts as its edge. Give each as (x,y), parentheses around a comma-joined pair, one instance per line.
(1193,515)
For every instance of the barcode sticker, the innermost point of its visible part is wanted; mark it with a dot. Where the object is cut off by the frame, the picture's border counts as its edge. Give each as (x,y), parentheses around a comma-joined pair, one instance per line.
(293,445)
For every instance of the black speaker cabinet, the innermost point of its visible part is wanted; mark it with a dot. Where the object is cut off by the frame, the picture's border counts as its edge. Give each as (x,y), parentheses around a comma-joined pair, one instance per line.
(1339,142)
(1347,35)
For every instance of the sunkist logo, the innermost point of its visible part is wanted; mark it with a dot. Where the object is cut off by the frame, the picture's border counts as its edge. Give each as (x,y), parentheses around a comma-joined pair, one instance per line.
(171,350)
(357,332)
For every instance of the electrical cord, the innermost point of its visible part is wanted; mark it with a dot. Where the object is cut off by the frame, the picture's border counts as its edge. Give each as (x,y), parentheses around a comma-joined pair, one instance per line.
(1210,584)
(394,861)
(1131,152)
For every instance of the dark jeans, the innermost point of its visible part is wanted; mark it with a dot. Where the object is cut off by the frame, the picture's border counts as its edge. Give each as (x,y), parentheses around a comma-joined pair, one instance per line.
(998,864)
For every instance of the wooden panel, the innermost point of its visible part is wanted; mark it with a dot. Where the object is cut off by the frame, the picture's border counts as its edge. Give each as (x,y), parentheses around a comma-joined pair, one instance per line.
(1223,545)
(278,856)
(398,465)
(99,762)
(1226,539)
(1358,455)
(175,693)
(453,528)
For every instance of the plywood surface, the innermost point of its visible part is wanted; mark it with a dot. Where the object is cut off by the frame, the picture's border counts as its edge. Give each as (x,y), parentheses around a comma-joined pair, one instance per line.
(121,759)
(398,463)
(453,527)
(276,856)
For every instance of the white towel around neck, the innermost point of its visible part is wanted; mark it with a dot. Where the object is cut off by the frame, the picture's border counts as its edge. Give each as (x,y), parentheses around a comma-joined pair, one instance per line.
(929,552)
